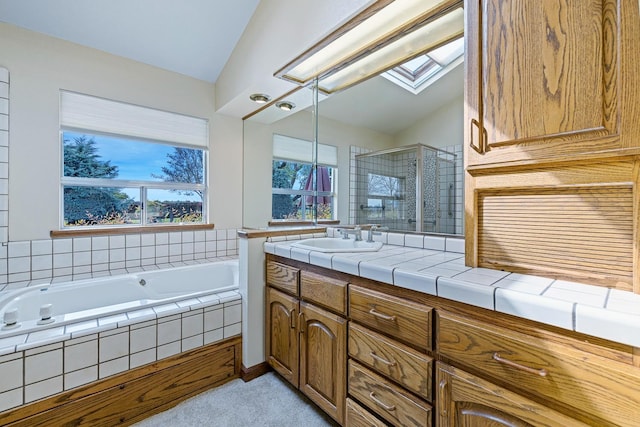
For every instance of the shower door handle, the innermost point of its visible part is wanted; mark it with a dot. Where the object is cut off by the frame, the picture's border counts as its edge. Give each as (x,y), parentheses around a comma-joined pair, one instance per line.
(450,200)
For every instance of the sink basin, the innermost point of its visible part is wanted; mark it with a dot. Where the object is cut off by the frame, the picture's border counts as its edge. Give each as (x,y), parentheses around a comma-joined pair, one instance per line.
(329,244)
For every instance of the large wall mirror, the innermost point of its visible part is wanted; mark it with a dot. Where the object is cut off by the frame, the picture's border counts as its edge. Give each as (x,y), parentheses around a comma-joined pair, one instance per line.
(398,141)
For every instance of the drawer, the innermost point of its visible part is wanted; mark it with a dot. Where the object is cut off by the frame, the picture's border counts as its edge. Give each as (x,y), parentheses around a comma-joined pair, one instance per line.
(404,320)
(326,291)
(404,365)
(391,402)
(607,390)
(283,277)
(357,416)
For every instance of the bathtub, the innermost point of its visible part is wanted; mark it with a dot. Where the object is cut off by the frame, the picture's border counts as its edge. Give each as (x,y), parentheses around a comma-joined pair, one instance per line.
(34,308)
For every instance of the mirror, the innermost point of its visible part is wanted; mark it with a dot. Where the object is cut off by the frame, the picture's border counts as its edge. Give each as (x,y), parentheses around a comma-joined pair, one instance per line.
(382,126)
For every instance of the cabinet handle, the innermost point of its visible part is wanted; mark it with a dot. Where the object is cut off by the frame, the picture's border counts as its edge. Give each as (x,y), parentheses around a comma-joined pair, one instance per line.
(383,360)
(383,405)
(382,316)
(442,398)
(483,137)
(301,322)
(540,372)
(292,317)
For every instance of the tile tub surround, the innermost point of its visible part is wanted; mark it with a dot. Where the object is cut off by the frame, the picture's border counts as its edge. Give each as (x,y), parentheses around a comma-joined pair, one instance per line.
(423,263)
(48,362)
(33,262)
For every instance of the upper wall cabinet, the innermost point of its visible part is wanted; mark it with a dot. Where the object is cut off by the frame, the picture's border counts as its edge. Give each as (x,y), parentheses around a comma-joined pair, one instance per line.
(549,80)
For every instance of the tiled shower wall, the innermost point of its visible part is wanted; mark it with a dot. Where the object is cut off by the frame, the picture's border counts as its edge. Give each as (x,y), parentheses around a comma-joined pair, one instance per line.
(38,261)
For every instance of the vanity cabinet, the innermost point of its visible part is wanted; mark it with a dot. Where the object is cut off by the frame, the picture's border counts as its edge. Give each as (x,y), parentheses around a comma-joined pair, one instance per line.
(465,400)
(552,139)
(306,334)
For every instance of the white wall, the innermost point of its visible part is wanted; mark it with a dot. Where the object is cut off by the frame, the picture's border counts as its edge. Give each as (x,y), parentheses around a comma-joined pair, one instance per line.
(442,128)
(40,66)
(258,149)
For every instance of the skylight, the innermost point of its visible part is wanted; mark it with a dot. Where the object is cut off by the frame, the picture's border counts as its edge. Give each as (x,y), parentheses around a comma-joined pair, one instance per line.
(418,73)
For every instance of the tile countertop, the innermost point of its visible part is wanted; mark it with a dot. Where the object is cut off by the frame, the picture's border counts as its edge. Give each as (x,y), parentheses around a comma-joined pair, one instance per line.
(435,265)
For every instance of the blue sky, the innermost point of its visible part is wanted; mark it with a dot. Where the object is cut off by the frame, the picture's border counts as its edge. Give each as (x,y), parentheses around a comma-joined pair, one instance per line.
(136,160)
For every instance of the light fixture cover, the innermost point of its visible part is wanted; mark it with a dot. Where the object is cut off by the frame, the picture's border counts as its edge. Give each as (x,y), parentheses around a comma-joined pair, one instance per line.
(260,98)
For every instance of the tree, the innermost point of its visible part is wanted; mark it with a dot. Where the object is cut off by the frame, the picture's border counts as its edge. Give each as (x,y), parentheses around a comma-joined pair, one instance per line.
(184,165)
(284,175)
(91,205)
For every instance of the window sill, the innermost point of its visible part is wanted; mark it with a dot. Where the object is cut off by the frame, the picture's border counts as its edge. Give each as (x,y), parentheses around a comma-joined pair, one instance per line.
(57,234)
(290,223)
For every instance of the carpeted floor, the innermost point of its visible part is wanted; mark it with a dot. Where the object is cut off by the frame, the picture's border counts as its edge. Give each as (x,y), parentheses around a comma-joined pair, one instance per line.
(267,401)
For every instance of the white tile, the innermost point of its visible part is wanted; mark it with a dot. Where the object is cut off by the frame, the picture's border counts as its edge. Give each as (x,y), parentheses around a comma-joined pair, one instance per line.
(474,277)
(112,320)
(11,342)
(19,249)
(10,399)
(175,238)
(132,253)
(577,297)
(535,307)
(143,339)
(232,330)
(434,242)
(300,254)
(113,367)
(113,346)
(395,239)
(414,240)
(468,293)
(62,260)
(162,238)
(169,332)
(168,350)
(346,265)
(62,246)
(148,239)
(80,377)
(320,259)
(453,244)
(56,333)
(612,325)
(142,358)
(213,319)
(232,314)
(11,374)
(43,366)
(522,286)
(624,301)
(81,244)
(132,240)
(192,325)
(99,243)
(192,342)
(415,281)
(81,258)
(281,250)
(213,336)
(100,257)
(19,265)
(41,262)
(117,255)
(42,389)
(375,271)
(81,355)
(116,242)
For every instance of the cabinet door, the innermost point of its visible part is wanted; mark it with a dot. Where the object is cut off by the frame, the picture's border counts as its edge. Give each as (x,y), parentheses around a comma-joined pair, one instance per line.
(548,78)
(323,338)
(468,401)
(282,334)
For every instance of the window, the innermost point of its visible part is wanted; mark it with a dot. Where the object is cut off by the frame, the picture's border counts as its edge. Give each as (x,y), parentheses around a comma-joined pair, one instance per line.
(130,176)
(292,180)
(384,194)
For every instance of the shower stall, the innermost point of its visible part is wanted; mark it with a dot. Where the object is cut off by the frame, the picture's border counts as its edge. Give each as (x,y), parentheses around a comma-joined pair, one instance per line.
(412,188)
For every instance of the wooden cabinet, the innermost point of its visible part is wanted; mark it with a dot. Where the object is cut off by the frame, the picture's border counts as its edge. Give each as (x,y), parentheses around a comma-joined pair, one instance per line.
(306,343)
(552,139)
(465,400)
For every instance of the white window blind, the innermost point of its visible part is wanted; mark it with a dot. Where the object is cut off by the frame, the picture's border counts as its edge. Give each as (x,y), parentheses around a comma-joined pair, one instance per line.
(86,112)
(288,148)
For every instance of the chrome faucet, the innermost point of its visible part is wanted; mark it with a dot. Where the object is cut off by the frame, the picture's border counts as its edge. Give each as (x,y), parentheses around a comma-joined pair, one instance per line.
(375,230)
(356,231)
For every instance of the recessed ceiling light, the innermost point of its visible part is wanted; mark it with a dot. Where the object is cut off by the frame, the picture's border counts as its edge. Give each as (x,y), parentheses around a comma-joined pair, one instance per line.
(285,105)
(260,98)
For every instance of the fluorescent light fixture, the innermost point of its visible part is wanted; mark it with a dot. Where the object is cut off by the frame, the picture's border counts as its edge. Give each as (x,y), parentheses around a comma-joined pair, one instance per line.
(382,24)
(260,98)
(424,39)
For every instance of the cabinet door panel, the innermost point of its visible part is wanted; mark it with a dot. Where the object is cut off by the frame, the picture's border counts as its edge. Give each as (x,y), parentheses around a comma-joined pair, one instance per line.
(544,77)
(323,354)
(467,401)
(282,334)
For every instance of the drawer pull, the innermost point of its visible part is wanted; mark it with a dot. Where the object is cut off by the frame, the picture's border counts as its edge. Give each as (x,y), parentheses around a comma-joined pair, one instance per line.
(383,405)
(382,316)
(382,359)
(540,372)
(292,318)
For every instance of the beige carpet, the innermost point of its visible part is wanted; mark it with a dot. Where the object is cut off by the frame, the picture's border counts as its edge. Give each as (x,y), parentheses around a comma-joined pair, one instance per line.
(266,401)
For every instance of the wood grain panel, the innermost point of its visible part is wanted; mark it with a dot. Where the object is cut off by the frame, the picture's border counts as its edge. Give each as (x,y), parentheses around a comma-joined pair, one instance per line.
(388,400)
(281,337)
(401,319)
(556,371)
(576,233)
(325,291)
(357,416)
(404,365)
(283,277)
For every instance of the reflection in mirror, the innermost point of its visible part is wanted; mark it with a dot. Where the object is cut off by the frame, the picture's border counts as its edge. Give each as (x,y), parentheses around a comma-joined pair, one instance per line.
(376,115)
